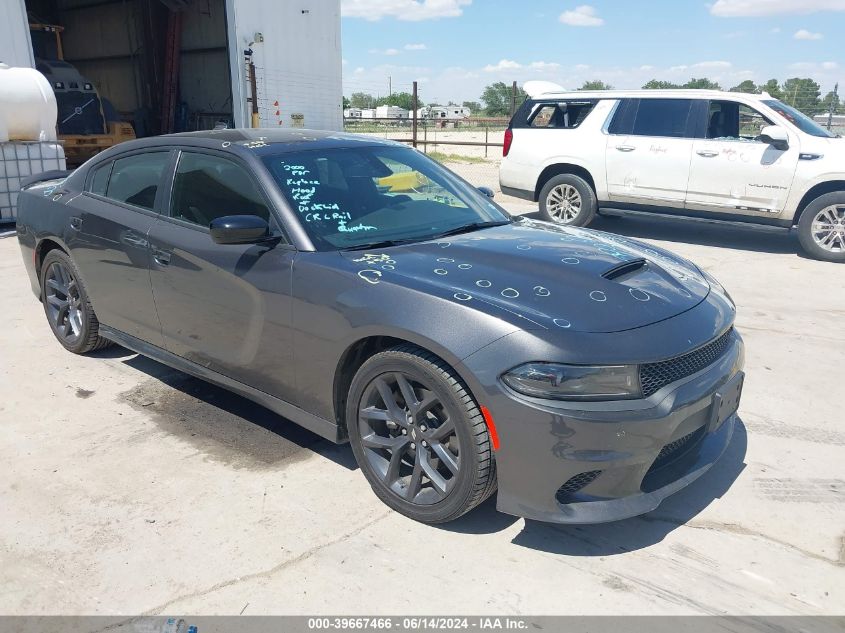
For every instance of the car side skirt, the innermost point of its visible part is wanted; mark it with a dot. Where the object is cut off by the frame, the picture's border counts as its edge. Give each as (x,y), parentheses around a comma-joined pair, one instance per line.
(518,193)
(324,428)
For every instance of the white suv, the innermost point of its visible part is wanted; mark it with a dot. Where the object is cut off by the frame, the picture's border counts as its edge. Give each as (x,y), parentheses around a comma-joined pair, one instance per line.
(723,155)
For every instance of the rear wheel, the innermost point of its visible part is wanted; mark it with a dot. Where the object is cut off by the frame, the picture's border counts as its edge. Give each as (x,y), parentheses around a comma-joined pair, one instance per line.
(67,307)
(568,199)
(821,228)
(419,436)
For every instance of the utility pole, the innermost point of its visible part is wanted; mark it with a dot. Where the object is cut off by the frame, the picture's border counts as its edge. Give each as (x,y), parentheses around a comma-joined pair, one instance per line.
(833,103)
(389,86)
(414,116)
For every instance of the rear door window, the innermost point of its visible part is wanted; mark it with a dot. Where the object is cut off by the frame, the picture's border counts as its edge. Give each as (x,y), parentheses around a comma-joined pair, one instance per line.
(674,118)
(135,179)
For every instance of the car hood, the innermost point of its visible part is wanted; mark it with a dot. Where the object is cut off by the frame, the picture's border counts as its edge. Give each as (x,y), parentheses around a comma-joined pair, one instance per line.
(544,276)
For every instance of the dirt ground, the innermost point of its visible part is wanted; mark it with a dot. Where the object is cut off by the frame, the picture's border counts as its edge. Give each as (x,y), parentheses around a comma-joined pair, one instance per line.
(129,488)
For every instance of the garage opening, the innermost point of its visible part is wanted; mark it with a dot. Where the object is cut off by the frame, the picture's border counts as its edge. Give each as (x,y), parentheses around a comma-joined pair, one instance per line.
(123,68)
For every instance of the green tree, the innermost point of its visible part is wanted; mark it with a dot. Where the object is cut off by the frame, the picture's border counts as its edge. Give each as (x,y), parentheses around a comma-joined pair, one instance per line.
(802,94)
(702,83)
(772,87)
(346,103)
(746,86)
(474,106)
(401,99)
(831,102)
(361,100)
(655,84)
(595,84)
(497,99)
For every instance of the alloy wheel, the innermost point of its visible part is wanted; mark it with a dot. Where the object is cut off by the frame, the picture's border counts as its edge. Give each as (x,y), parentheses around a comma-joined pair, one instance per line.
(409,438)
(828,228)
(64,305)
(564,203)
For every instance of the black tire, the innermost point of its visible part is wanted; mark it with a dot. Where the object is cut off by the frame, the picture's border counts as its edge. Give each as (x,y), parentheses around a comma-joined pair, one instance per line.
(67,306)
(429,378)
(557,187)
(807,234)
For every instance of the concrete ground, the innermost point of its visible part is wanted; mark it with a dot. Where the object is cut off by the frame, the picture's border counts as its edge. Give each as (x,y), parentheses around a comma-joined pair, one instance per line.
(128,488)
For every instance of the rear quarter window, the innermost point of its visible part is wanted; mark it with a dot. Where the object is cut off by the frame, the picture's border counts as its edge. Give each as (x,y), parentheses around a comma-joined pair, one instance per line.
(99,180)
(554,114)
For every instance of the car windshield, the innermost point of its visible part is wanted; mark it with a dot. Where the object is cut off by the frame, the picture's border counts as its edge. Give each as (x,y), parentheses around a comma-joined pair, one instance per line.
(798,119)
(353,197)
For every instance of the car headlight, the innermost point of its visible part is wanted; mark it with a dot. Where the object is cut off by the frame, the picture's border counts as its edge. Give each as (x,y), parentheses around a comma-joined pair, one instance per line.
(715,285)
(575,382)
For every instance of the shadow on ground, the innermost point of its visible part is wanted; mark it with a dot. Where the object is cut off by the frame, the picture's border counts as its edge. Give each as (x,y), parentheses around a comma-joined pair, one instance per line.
(221,425)
(608,539)
(733,236)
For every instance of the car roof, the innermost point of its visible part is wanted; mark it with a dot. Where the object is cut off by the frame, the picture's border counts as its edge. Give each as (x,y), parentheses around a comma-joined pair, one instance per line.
(261,141)
(681,93)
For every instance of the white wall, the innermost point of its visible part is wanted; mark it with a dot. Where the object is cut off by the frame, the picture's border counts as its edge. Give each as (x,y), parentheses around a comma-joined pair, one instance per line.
(298,64)
(15,45)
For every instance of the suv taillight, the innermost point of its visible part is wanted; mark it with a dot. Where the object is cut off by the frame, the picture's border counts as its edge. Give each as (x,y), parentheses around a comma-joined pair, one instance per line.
(508,141)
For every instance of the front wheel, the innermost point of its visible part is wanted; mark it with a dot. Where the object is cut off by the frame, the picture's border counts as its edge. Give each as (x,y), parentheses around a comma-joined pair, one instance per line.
(821,229)
(568,199)
(418,436)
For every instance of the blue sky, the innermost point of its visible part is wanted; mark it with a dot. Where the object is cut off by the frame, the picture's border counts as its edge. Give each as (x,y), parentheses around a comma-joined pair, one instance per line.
(456,47)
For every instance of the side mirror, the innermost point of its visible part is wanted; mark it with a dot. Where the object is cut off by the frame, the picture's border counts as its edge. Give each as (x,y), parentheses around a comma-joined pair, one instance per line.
(776,136)
(487,191)
(239,229)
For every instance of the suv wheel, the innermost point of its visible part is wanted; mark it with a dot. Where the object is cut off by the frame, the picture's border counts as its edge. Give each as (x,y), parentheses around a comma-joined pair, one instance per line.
(419,436)
(821,229)
(568,199)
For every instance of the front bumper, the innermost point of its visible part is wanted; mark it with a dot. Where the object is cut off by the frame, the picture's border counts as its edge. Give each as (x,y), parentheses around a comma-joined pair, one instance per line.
(605,461)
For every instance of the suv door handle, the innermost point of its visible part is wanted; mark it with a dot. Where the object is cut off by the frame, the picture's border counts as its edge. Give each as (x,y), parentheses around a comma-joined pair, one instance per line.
(625,148)
(76,223)
(707,153)
(162,258)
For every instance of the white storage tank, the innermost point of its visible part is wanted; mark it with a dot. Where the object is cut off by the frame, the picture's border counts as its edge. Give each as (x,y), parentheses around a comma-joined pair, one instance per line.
(27,105)
(20,160)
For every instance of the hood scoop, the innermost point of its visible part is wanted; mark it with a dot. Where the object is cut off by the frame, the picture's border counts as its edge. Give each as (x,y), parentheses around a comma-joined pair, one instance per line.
(624,269)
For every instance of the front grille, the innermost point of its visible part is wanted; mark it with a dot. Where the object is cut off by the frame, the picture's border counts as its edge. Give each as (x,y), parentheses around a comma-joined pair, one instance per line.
(574,484)
(654,376)
(676,448)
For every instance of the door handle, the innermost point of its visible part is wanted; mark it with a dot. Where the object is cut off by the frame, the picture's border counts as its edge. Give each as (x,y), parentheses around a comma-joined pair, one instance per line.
(76,223)
(625,148)
(707,153)
(162,258)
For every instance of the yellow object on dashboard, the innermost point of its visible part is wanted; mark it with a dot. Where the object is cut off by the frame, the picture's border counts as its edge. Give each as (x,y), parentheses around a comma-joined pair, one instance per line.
(403,181)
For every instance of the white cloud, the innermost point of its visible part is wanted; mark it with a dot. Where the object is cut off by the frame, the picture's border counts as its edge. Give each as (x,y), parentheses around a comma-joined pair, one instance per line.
(715,64)
(415,47)
(408,10)
(390,52)
(504,64)
(804,34)
(544,66)
(745,8)
(343,62)
(583,15)
(830,65)
(646,67)
(774,30)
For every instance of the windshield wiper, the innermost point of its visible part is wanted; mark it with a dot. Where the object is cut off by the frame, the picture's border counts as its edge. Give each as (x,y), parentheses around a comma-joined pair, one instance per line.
(466,228)
(382,244)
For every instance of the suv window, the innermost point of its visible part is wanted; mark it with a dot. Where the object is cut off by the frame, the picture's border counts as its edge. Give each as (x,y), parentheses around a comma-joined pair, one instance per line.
(135,179)
(653,117)
(208,187)
(732,121)
(559,114)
